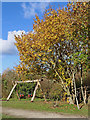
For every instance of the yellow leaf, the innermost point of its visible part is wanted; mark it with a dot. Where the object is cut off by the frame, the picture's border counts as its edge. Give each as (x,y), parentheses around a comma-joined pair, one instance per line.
(59,60)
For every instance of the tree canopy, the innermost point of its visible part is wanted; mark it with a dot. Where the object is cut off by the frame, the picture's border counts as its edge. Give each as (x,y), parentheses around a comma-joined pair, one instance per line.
(58,44)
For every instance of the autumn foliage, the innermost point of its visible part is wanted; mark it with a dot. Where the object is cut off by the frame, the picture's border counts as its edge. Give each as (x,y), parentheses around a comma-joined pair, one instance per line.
(57,46)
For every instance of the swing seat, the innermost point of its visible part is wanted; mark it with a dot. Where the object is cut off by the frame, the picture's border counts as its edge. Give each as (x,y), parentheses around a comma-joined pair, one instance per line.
(21,95)
(28,95)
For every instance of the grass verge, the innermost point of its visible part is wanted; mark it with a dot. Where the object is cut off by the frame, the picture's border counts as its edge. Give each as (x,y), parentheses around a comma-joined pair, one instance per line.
(8,117)
(40,105)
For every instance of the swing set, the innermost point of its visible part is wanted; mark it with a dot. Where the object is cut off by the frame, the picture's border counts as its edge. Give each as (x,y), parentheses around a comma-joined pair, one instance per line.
(34,93)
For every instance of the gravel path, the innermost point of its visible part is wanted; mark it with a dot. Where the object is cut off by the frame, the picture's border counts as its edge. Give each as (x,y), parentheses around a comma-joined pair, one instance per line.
(20,113)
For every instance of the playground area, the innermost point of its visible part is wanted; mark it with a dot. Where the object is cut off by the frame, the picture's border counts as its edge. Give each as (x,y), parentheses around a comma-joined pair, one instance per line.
(31,93)
(28,105)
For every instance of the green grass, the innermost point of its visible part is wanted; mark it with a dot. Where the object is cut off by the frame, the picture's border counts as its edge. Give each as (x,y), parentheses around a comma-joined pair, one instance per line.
(8,117)
(40,105)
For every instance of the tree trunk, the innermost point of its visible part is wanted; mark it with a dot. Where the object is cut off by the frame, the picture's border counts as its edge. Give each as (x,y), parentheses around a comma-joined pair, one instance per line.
(75,91)
(82,87)
(73,96)
(89,100)
(72,88)
(66,89)
(85,96)
(69,97)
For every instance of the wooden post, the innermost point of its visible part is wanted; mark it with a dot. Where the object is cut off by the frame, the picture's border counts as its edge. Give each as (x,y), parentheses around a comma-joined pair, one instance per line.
(38,84)
(27,81)
(34,92)
(11,91)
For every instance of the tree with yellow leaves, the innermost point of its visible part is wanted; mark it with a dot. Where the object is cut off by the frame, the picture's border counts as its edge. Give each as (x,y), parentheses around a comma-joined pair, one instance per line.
(53,43)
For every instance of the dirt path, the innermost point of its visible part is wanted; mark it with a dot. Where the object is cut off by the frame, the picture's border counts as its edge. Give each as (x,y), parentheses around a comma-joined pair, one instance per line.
(20,113)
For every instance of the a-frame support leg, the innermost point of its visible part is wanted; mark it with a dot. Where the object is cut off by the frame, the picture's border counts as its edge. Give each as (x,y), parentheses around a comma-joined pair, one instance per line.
(34,92)
(11,91)
(38,84)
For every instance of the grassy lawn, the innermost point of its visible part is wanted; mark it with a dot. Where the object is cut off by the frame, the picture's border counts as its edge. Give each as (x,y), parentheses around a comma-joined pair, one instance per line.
(8,117)
(40,105)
